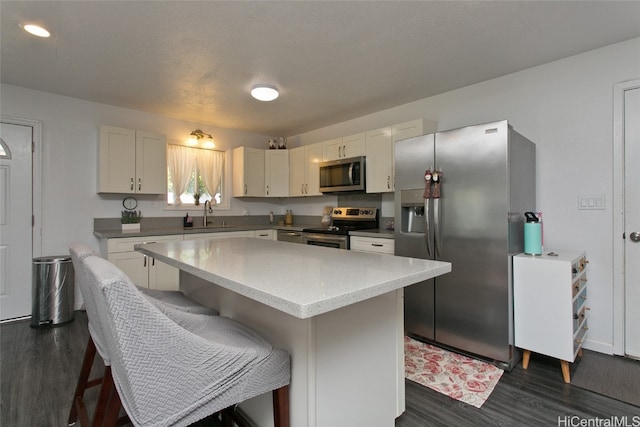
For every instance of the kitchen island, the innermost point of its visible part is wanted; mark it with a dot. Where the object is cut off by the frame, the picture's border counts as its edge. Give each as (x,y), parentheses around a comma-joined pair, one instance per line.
(338,313)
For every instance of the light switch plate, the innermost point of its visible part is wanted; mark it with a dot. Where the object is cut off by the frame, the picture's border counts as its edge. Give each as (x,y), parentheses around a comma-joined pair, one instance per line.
(592,202)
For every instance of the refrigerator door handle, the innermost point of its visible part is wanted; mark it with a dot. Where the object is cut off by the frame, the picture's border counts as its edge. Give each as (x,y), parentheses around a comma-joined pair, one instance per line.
(427,227)
(436,223)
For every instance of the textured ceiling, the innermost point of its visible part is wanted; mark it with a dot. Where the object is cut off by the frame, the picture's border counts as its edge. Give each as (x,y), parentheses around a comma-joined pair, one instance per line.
(332,61)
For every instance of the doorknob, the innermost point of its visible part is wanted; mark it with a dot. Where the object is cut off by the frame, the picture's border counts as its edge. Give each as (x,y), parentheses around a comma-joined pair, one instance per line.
(635,236)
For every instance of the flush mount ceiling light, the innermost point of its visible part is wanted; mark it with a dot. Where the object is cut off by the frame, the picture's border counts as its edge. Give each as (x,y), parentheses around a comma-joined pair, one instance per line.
(264,92)
(36,30)
(197,135)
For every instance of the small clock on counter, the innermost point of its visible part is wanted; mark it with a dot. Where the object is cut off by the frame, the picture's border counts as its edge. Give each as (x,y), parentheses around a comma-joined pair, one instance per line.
(130,203)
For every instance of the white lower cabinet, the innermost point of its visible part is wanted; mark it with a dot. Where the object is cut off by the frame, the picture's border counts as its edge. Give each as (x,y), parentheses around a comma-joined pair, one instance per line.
(304,170)
(265,234)
(149,273)
(378,245)
(550,305)
(219,235)
(144,271)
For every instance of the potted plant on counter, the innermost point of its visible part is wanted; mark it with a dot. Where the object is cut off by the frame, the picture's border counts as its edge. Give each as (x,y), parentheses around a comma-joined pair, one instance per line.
(131,220)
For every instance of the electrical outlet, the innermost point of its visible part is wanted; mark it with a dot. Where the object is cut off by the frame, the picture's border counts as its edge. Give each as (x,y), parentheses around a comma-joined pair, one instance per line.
(592,202)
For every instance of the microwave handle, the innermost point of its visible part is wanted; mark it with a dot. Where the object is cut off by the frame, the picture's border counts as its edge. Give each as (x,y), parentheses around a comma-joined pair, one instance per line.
(351,168)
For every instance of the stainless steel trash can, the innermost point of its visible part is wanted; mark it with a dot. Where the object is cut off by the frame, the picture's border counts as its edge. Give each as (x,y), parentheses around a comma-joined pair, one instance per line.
(53,291)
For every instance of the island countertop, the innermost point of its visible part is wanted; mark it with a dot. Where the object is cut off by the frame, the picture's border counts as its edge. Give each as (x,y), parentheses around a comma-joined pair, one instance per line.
(300,280)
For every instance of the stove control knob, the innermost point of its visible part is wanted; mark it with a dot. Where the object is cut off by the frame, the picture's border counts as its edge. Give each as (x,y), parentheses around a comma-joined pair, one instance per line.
(337,211)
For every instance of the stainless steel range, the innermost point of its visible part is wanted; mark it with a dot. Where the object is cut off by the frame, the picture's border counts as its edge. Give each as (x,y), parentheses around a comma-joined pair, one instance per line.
(343,220)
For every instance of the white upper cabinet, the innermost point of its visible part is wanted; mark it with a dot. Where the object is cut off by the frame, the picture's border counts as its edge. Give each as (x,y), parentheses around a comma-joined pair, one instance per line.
(248,172)
(276,173)
(413,128)
(304,170)
(343,148)
(131,161)
(379,152)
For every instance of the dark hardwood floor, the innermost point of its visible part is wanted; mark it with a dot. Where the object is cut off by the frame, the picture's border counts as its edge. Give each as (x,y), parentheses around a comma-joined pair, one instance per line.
(39,368)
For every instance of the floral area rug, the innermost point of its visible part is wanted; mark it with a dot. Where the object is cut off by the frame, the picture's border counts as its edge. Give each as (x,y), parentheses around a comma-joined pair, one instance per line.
(459,377)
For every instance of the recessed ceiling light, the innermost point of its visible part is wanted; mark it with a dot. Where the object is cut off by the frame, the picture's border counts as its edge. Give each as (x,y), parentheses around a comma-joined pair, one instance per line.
(264,92)
(36,30)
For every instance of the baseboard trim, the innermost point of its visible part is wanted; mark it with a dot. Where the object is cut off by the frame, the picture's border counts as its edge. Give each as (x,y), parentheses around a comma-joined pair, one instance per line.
(600,347)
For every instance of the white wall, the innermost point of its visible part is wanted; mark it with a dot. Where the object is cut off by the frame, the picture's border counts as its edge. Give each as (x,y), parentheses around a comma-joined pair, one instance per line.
(566,108)
(69,164)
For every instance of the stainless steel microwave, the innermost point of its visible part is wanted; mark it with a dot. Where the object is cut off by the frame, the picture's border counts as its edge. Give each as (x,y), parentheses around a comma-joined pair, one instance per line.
(337,176)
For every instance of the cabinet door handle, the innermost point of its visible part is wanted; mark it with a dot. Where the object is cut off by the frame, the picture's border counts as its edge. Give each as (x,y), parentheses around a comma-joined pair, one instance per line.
(245,189)
(388,182)
(339,148)
(378,245)
(267,190)
(306,189)
(301,188)
(131,184)
(145,261)
(153,262)
(139,184)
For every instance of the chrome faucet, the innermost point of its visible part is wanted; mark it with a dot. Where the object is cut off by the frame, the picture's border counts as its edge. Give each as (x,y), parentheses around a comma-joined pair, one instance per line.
(208,210)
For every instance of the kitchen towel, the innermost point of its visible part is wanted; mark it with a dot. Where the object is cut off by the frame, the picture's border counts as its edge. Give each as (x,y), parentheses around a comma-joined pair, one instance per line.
(459,377)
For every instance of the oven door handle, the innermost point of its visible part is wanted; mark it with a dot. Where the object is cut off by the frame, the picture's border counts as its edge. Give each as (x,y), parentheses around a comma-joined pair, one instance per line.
(325,238)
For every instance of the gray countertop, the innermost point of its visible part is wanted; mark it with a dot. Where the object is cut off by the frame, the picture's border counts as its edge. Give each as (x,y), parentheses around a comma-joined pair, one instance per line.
(161,231)
(300,280)
(114,233)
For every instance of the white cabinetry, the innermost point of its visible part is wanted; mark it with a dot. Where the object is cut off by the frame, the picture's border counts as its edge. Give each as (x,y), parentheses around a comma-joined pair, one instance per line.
(550,305)
(413,128)
(219,235)
(343,148)
(377,245)
(304,170)
(276,173)
(380,151)
(131,161)
(248,172)
(379,161)
(144,271)
(265,234)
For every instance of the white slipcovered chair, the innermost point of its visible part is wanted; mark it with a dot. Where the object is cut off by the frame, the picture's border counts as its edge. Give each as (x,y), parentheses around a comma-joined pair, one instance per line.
(174,368)
(96,342)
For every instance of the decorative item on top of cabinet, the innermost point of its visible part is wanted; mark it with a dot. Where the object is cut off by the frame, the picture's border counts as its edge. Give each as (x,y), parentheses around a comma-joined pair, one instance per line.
(248,172)
(550,305)
(131,161)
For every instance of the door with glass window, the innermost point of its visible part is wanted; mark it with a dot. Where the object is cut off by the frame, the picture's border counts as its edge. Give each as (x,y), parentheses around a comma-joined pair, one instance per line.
(15,220)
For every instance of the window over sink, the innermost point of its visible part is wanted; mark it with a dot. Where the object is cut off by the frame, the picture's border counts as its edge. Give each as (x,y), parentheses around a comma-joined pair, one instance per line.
(195,175)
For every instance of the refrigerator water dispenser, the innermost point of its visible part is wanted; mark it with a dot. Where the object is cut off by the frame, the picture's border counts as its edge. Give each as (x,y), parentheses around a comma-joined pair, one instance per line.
(412,211)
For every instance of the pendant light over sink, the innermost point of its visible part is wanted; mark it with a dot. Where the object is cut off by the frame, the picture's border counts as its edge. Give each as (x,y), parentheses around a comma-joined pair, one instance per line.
(263,92)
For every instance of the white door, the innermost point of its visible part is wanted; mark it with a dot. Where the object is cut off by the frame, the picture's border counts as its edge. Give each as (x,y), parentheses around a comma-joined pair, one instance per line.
(632,221)
(16,212)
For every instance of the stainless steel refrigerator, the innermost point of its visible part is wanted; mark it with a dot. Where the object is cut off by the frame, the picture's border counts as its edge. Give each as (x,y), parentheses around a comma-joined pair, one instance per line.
(460,197)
